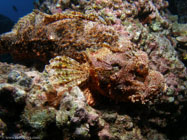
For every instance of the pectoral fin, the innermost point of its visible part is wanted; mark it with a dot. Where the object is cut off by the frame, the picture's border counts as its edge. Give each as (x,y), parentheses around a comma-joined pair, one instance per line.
(65,71)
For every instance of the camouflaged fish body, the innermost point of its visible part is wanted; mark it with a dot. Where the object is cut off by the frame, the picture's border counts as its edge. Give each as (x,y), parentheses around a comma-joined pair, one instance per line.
(42,36)
(84,52)
(116,75)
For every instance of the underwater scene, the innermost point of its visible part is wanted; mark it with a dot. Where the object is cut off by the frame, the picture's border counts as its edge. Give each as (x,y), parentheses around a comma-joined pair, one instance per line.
(93,69)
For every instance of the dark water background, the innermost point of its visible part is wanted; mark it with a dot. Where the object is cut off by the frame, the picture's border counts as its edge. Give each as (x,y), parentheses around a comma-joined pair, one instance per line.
(10,12)
(23,7)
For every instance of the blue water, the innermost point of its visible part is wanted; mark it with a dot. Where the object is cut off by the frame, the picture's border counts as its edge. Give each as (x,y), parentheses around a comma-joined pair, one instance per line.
(23,7)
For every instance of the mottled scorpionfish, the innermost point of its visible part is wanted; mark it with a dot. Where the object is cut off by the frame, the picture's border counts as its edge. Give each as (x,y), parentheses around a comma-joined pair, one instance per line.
(84,52)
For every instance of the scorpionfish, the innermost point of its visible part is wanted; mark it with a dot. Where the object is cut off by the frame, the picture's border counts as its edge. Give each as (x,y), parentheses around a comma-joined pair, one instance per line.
(83,50)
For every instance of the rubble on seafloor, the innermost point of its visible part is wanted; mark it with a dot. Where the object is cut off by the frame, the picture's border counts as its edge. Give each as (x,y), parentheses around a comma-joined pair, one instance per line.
(98,69)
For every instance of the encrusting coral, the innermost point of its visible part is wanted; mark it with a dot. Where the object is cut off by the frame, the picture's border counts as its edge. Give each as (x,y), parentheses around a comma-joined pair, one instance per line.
(87,50)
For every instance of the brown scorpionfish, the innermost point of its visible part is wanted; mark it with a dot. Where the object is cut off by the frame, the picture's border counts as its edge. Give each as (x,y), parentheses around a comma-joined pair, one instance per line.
(84,52)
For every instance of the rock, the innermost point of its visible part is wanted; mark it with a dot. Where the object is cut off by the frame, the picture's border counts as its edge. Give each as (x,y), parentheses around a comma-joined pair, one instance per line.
(21,78)
(38,118)
(182,39)
(14,76)
(16,94)
(3,129)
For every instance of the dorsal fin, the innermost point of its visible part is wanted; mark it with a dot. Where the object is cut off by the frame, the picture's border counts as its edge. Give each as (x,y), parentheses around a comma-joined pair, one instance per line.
(25,21)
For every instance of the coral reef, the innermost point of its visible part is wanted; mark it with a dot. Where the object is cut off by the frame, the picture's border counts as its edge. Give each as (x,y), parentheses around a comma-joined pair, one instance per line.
(178,7)
(179,31)
(98,69)
(73,119)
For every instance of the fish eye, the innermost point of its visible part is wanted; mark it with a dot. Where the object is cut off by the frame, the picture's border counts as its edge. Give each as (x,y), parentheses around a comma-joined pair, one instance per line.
(141,66)
(116,66)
